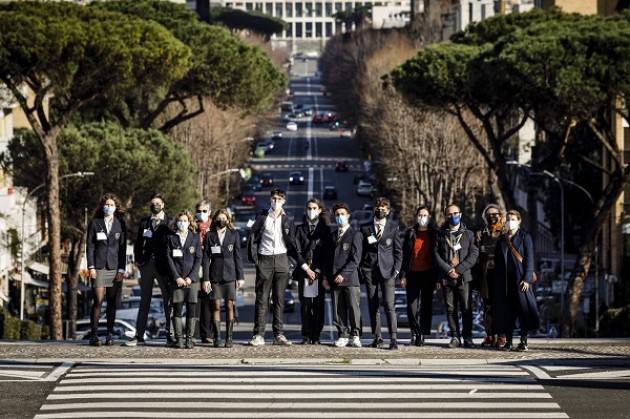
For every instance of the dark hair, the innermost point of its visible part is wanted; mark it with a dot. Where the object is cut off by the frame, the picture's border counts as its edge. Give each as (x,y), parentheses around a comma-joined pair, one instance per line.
(191,221)
(159,196)
(422,207)
(279,192)
(452,204)
(515,213)
(340,205)
(216,215)
(382,201)
(120,208)
(323,215)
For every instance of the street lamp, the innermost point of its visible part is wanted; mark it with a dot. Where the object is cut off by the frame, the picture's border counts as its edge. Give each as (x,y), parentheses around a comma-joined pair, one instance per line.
(28,196)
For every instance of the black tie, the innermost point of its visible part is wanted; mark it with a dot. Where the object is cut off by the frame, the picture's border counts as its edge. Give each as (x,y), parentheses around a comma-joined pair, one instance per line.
(379,231)
(311,228)
(339,236)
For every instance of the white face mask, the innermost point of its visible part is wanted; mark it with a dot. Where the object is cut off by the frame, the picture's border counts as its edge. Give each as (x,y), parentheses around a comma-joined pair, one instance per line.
(202,216)
(423,221)
(182,226)
(276,204)
(312,214)
(513,225)
(342,220)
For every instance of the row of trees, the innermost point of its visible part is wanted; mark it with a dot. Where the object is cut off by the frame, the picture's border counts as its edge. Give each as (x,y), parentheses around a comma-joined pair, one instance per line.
(567,72)
(148,66)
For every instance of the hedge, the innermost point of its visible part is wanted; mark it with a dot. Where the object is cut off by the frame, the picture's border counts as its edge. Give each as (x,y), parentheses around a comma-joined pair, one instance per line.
(615,322)
(12,328)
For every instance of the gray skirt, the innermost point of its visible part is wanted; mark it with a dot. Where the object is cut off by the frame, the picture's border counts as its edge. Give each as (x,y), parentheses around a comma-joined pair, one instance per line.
(104,278)
(223,291)
(185,294)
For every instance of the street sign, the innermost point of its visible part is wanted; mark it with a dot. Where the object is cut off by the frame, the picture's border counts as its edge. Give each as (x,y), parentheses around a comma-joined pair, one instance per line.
(558,286)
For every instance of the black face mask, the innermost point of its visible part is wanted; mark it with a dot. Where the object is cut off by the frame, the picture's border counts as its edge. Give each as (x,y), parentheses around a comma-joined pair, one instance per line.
(221,223)
(380,214)
(156,209)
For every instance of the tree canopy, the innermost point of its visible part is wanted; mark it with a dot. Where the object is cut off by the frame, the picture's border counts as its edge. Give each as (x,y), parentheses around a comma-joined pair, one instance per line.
(256,22)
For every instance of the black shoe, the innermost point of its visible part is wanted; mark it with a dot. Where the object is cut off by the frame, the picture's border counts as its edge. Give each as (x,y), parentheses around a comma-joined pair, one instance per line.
(95,342)
(376,343)
(306,341)
(189,343)
(179,344)
(135,341)
(468,343)
(508,346)
(522,347)
(315,342)
(208,341)
(393,344)
(412,341)
(109,341)
(170,342)
(454,343)
(420,340)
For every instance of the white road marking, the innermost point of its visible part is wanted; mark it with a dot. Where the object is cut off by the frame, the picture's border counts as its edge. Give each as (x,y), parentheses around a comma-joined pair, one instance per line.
(59,371)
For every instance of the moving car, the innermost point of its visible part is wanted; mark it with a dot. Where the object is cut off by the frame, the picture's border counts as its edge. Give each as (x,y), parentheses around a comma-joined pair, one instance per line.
(365,189)
(330,193)
(268,145)
(276,135)
(248,198)
(122,329)
(296,178)
(266,180)
(292,126)
(341,166)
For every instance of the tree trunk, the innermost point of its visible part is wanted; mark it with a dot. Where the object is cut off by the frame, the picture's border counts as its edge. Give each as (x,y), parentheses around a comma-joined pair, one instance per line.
(74,269)
(54,234)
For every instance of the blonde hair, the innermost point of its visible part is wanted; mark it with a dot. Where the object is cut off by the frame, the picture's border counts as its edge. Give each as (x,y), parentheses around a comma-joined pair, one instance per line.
(191,224)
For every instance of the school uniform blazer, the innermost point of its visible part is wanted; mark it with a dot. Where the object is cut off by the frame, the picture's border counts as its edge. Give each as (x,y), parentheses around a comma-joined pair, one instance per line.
(226,266)
(107,254)
(145,248)
(313,248)
(288,235)
(186,266)
(346,258)
(386,254)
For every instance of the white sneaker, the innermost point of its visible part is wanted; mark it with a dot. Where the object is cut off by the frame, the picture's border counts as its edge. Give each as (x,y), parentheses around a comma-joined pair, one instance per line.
(257,340)
(341,342)
(356,342)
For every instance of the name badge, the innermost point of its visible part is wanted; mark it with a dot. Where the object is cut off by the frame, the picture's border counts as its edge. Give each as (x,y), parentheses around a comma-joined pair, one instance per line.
(147,233)
(457,246)
(177,253)
(346,247)
(372,240)
(215,249)
(250,223)
(101,236)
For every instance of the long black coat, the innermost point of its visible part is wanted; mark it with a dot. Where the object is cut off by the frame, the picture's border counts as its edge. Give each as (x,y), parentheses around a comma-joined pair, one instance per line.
(504,307)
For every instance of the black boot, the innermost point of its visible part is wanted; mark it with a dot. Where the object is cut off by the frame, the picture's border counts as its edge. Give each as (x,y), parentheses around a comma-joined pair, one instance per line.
(420,340)
(229,329)
(178,328)
(190,332)
(216,330)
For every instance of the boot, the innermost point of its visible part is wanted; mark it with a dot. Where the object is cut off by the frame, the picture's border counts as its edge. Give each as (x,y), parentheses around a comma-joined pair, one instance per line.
(229,329)
(190,332)
(178,326)
(216,331)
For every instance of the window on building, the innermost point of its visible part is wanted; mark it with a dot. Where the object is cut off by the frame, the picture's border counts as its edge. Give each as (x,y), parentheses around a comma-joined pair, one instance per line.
(319,7)
(269,8)
(318,30)
(308,9)
(328,9)
(349,6)
(308,31)
(329,29)
(289,30)
(249,6)
(298,11)
(470,12)
(229,5)
(288,8)
(238,5)
(278,9)
(258,7)
(483,11)
(298,27)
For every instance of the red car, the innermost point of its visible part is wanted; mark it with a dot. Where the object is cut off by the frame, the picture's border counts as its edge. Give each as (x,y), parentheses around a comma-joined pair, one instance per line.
(248,198)
(341,166)
(324,118)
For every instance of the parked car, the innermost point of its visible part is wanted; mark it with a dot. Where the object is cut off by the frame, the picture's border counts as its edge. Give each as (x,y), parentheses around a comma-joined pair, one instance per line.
(296,178)
(365,189)
(308,112)
(330,193)
(122,329)
(276,135)
(292,126)
(400,305)
(341,166)
(268,145)
(266,180)
(248,198)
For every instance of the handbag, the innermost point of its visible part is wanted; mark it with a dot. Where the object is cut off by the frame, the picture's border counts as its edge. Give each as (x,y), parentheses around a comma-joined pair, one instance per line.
(518,257)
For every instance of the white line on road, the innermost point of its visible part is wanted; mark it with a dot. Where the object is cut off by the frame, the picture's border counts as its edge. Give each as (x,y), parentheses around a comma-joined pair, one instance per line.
(59,371)
(215,379)
(311,180)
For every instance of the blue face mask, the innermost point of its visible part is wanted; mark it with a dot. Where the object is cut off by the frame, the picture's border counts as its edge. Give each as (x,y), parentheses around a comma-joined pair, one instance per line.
(454,220)
(108,210)
(342,220)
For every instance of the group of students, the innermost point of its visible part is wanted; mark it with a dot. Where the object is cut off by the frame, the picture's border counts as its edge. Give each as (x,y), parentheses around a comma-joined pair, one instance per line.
(197,263)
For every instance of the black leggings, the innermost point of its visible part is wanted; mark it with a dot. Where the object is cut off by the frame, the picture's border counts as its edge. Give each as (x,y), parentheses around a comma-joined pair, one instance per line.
(101,294)
(178,309)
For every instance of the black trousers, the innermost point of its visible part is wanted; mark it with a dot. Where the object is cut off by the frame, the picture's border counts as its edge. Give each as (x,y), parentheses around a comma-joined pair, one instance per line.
(311,310)
(459,298)
(272,272)
(420,286)
(373,283)
(346,312)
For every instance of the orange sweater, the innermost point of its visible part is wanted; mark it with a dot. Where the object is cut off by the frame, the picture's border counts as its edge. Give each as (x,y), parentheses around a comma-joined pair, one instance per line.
(422,257)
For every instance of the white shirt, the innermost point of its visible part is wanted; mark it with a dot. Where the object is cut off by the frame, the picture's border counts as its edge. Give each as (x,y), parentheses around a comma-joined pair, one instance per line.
(221,235)
(108,223)
(272,242)
(182,238)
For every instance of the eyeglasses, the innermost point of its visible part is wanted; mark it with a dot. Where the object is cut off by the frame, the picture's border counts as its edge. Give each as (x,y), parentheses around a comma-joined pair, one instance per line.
(452,214)
(200,210)
(493,214)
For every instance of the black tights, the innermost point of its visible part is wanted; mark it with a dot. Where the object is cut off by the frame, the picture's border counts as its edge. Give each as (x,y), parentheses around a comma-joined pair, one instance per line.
(101,294)
(216,310)
(191,311)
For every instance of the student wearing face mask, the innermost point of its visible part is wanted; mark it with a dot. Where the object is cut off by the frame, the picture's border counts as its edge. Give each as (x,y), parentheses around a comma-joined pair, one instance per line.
(223,273)
(486,239)
(380,265)
(106,252)
(418,275)
(342,278)
(270,243)
(513,284)
(183,254)
(149,251)
(313,240)
(455,254)
(204,305)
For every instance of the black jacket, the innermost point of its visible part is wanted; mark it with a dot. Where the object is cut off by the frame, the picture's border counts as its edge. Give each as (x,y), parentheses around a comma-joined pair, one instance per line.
(467,254)
(255,236)
(151,243)
(225,266)
(386,254)
(187,265)
(345,258)
(313,248)
(408,243)
(107,251)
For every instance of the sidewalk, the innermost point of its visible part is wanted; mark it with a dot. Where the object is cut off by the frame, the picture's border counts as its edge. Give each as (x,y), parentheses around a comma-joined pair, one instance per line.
(616,351)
